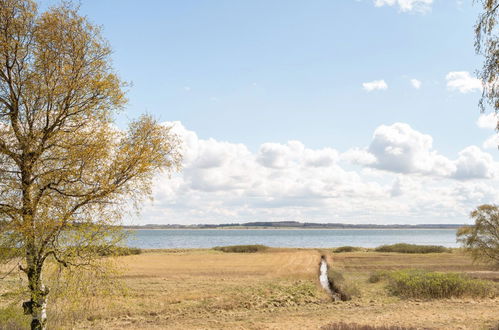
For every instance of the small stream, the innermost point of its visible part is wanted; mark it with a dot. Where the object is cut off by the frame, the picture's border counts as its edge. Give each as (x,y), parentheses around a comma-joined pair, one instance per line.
(332,288)
(323,278)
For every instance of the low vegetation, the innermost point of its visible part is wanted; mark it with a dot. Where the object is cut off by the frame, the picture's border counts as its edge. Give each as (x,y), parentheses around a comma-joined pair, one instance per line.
(378,276)
(412,248)
(241,248)
(415,283)
(115,251)
(279,288)
(346,249)
(12,318)
(346,289)
(355,326)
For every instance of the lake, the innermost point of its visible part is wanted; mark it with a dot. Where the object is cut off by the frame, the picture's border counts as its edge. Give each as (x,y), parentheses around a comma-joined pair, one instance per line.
(306,238)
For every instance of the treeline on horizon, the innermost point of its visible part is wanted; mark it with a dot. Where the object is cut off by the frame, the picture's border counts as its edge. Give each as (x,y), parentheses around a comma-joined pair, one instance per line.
(292,224)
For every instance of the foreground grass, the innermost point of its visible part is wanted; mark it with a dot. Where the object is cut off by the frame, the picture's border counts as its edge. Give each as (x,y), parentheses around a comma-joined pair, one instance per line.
(278,289)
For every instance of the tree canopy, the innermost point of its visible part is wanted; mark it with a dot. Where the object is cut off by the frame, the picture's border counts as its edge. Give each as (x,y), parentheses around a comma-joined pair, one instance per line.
(482,239)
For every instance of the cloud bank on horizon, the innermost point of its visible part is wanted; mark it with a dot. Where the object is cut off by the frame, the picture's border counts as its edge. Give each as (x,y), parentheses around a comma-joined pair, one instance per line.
(397,178)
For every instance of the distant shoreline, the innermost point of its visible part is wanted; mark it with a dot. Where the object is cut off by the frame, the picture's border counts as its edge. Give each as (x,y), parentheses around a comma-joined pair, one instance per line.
(292,228)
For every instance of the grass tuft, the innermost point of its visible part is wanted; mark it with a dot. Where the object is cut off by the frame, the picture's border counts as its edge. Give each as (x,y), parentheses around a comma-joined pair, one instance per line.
(377,276)
(346,249)
(241,248)
(412,248)
(12,317)
(413,283)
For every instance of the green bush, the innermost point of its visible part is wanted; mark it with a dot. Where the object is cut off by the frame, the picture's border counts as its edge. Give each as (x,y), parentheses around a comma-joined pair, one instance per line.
(412,283)
(346,249)
(241,248)
(412,248)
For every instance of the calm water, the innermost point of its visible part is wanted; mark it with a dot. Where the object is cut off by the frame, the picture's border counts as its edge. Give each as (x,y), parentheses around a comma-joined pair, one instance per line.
(207,238)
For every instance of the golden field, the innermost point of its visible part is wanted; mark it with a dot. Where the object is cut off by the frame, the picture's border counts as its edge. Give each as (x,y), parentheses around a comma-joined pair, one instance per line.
(276,289)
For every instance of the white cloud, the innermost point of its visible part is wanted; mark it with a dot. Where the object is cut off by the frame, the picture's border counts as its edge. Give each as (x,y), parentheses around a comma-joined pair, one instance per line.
(398,148)
(473,163)
(401,149)
(402,180)
(406,5)
(359,156)
(492,142)
(488,121)
(416,83)
(375,85)
(463,82)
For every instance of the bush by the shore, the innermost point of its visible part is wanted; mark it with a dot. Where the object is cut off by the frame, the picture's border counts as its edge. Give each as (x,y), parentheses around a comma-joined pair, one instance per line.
(412,248)
(346,249)
(413,283)
(115,251)
(241,248)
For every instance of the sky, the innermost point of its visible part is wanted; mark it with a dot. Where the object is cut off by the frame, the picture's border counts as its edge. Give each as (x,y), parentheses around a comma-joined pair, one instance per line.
(322,111)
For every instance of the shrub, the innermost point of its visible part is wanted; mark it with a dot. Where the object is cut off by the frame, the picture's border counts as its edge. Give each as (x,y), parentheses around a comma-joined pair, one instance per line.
(114,251)
(346,249)
(435,285)
(412,248)
(241,248)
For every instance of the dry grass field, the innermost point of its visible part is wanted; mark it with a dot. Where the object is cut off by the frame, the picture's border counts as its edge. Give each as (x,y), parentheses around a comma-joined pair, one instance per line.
(276,289)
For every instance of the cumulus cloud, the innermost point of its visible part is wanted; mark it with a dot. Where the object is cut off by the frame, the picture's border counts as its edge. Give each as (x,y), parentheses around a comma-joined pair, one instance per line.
(375,85)
(402,179)
(473,163)
(463,82)
(401,149)
(416,83)
(406,5)
(398,148)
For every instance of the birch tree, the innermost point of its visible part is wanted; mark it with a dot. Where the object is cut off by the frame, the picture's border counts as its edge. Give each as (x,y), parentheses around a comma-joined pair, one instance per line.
(66,172)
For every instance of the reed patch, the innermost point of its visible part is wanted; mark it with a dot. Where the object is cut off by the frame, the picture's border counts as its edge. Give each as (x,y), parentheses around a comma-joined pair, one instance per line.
(412,248)
(415,283)
(346,249)
(241,248)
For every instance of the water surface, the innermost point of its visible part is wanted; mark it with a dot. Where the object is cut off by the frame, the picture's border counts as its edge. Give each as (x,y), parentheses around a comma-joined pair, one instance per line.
(306,238)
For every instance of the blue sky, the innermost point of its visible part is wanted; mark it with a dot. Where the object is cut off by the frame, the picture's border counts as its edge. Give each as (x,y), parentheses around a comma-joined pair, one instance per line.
(379,97)
(258,71)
